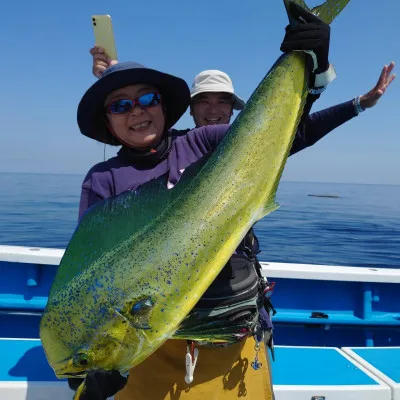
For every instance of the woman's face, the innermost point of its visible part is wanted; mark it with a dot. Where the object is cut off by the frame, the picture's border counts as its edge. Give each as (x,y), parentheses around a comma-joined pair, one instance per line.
(138,128)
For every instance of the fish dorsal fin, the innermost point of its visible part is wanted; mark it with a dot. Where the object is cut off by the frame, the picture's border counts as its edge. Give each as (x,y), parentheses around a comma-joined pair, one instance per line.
(114,220)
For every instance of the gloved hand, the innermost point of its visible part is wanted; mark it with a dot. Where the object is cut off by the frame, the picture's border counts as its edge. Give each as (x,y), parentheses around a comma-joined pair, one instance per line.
(311,35)
(100,384)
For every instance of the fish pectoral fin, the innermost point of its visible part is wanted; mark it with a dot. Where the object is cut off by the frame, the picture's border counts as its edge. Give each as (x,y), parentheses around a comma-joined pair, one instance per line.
(268,208)
(80,391)
(138,312)
(114,330)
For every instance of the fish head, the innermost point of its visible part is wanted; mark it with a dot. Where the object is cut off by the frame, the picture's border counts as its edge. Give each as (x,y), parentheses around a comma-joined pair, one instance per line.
(111,341)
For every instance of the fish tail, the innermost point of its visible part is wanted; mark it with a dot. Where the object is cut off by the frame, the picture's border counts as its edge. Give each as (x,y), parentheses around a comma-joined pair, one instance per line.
(326,11)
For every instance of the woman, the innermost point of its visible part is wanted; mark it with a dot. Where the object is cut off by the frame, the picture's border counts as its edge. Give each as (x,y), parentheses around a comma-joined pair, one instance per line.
(136,107)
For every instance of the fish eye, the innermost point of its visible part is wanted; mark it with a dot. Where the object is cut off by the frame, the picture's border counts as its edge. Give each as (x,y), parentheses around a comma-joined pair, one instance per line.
(81,360)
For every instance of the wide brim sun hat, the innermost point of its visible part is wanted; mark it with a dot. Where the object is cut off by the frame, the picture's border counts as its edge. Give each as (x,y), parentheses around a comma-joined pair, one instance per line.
(91,115)
(213,80)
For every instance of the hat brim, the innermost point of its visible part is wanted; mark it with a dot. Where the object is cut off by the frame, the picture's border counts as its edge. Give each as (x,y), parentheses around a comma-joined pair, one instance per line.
(90,116)
(238,103)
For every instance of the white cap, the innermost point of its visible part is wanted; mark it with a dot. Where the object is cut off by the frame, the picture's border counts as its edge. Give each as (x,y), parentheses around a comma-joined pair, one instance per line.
(213,80)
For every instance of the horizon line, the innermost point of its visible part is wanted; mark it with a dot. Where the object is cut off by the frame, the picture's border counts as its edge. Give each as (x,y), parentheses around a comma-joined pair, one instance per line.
(283,180)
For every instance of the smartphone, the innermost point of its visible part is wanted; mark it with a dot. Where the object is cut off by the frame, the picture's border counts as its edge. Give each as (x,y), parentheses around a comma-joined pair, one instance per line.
(104,35)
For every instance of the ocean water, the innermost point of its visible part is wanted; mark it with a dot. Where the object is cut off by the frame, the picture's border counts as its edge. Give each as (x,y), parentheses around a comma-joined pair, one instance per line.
(360,226)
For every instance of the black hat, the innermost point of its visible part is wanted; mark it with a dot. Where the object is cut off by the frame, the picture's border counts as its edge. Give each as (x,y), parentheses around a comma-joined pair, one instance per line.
(92,123)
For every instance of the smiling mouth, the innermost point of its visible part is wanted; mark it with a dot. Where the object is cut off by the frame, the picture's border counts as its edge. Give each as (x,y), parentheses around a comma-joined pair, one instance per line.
(141,126)
(213,120)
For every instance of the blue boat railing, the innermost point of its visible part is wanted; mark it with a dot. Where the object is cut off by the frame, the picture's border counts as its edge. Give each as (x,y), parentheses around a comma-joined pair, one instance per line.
(327,300)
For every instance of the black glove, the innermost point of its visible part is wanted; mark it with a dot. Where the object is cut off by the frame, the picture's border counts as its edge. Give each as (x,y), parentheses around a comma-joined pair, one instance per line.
(309,34)
(100,384)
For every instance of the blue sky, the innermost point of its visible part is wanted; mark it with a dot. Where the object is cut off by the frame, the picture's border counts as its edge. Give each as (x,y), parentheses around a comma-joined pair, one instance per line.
(46,67)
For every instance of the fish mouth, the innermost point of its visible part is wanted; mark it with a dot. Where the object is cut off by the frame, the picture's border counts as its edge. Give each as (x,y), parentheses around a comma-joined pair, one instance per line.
(67,369)
(63,375)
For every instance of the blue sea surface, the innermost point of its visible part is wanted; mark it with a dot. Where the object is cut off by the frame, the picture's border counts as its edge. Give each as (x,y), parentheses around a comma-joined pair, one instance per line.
(361,227)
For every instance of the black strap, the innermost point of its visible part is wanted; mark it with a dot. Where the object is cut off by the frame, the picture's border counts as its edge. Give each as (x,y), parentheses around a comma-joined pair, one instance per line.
(148,157)
(249,245)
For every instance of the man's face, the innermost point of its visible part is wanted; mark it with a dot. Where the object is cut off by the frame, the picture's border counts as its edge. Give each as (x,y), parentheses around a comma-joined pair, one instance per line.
(212,108)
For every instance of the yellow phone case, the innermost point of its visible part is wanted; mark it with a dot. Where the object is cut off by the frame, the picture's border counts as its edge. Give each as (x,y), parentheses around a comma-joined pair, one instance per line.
(104,35)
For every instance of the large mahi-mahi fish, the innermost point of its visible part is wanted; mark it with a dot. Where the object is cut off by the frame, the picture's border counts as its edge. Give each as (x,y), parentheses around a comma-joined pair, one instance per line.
(138,263)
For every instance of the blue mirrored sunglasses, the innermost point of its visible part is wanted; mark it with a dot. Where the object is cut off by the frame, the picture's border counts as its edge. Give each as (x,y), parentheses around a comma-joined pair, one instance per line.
(123,106)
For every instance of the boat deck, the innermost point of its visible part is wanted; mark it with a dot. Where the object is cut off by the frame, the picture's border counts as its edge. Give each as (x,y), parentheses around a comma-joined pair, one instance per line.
(299,373)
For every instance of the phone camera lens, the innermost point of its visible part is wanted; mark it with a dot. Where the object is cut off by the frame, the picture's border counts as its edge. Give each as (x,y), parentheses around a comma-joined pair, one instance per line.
(94,23)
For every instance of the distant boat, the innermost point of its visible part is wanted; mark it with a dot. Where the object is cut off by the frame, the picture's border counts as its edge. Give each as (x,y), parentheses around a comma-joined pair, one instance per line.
(331,196)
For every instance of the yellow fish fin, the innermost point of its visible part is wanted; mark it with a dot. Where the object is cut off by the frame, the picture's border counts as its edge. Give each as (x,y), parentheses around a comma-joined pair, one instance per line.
(81,390)
(268,208)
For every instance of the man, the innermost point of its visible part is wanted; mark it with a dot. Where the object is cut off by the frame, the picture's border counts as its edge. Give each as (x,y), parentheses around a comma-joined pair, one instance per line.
(213,98)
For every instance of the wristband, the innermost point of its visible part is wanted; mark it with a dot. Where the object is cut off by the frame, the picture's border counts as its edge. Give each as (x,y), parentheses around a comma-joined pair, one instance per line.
(357,105)
(325,77)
